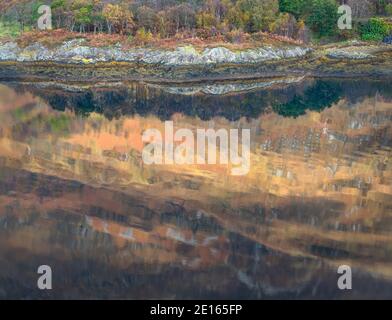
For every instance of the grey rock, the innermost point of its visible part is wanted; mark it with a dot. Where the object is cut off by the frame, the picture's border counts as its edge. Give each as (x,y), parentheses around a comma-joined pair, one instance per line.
(345,54)
(35,52)
(75,51)
(9,51)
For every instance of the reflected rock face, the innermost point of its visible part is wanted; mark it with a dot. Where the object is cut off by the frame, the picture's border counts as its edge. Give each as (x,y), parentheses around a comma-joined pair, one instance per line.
(76,195)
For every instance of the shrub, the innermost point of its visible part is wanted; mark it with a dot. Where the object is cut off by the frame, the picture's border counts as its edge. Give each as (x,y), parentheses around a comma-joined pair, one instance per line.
(142,36)
(298,8)
(388,9)
(205,33)
(323,18)
(236,36)
(9,30)
(284,25)
(375,30)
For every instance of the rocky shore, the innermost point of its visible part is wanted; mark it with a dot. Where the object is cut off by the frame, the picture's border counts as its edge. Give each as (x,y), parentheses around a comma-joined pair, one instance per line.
(74,60)
(76,52)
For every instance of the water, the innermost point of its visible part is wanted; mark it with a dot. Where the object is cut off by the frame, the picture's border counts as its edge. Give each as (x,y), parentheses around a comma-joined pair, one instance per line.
(76,195)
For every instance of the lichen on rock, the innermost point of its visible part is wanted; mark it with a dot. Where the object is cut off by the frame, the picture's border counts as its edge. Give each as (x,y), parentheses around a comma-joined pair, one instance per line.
(76,50)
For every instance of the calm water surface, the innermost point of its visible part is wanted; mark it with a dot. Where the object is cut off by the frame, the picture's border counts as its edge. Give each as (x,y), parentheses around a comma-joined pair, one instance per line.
(75,194)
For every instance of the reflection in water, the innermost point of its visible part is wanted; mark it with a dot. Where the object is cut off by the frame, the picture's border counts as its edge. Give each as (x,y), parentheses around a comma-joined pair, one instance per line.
(75,194)
(292,99)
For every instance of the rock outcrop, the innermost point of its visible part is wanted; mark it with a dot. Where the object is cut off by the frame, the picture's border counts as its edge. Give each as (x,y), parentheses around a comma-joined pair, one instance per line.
(349,53)
(356,51)
(75,51)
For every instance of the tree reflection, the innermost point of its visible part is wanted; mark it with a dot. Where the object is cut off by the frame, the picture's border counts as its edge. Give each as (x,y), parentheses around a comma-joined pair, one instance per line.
(318,97)
(289,101)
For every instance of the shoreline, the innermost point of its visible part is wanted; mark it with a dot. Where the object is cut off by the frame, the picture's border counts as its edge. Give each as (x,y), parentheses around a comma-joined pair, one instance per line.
(339,60)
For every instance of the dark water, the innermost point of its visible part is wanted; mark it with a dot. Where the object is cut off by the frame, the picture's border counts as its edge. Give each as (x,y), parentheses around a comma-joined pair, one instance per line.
(76,195)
